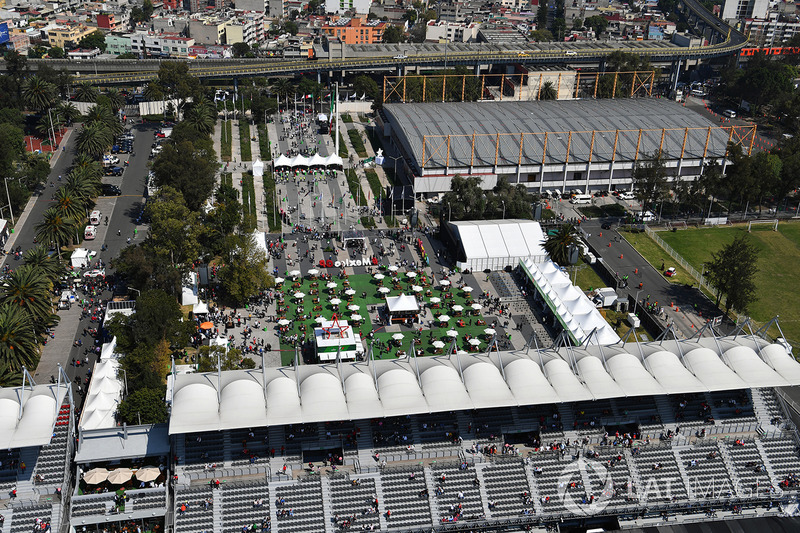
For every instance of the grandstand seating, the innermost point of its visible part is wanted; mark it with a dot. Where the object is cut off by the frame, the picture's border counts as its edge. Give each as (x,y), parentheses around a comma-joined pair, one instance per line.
(783,457)
(505,483)
(667,484)
(457,482)
(614,466)
(403,496)
(747,462)
(203,448)
(707,473)
(770,399)
(304,499)
(355,500)
(24,518)
(239,507)
(196,518)
(52,457)
(551,467)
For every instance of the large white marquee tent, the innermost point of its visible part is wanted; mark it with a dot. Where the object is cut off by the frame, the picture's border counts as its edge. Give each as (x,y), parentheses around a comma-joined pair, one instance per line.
(375,389)
(28,415)
(573,309)
(495,244)
(316,160)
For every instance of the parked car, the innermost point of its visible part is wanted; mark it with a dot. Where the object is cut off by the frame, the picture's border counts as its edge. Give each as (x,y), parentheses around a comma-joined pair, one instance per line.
(670,272)
(108,189)
(114,171)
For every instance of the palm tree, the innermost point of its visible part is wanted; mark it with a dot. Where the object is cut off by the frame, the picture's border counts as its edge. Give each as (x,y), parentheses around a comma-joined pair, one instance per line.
(115,99)
(69,203)
(86,92)
(559,244)
(548,91)
(153,91)
(55,228)
(40,259)
(84,183)
(201,118)
(28,289)
(43,124)
(282,87)
(38,94)
(103,115)
(18,346)
(84,162)
(68,112)
(94,139)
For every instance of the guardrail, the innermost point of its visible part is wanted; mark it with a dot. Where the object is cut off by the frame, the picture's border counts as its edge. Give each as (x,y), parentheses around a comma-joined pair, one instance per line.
(681,261)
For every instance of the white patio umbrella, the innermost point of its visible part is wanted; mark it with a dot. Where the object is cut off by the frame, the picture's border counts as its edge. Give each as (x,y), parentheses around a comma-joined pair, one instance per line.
(336,301)
(458,308)
(392,268)
(398,336)
(350,292)
(95,476)
(354,307)
(379,276)
(467,289)
(384,290)
(474,342)
(119,476)
(332,285)
(294,273)
(416,288)
(438,345)
(452,333)
(299,295)
(435,300)
(477,307)
(313,272)
(284,322)
(489,331)
(320,319)
(148,473)
(355,317)
(279,280)
(462,352)
(444,282)
(443,318)
(411,274)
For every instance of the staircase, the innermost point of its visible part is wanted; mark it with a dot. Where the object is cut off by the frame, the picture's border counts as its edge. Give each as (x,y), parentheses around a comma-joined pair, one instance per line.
(381,503)
(568,422)
(272,490)
(276,439)
(637,480)
(665,410)
(364,443)
(217,510)
(227,451)
(767,465)
(484,502)
(760,408)
(430,483)
(25,487)
(180,449)
(683,472)
(326,503)
(534,488)
(710,401)
(728,460)
(55,517)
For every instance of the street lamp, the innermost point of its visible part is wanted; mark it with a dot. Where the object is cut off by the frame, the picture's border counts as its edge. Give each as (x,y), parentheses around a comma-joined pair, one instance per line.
(9,201)
(636,303)
(504,208)
(449,212)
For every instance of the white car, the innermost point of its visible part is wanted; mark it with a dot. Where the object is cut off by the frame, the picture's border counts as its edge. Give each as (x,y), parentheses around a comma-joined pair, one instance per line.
(90,233)
(400,56)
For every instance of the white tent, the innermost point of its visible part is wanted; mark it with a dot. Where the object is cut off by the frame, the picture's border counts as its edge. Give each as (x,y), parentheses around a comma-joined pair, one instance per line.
(316,161)
(496,244)
(571,306)
(258,168)
(190,290)
(200,308)
(334,160)
(299,161)
(103,396)
(283,161)
(27,416)
(402,304)
(81,258)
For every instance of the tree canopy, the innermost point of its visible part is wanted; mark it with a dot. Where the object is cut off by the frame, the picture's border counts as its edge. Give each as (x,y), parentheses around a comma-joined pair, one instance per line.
(732,271)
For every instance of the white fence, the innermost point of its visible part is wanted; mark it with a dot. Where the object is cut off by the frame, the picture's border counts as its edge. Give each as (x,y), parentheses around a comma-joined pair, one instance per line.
(681,261)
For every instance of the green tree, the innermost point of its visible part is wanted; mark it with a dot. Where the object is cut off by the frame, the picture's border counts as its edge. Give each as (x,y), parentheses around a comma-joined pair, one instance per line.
(240,49)
(597,23)
(174,228)
(246,269)
(290,27)
(28,289)
(732,272)
(12,146)
(650,184)
(68,112)
(559,29)
(38,94)
(558,244)
(94,139)
(38,258)
(18,343)
(69,204)
(103,114)
(55,228)
(465,200)
(56,52)
(153,92)
(188,169)
(86,92)
(96,39)
(541,15)
(577,24)
(115,99)
(366,85)
(541,36)
(210,356)
(393,34)
(548,91)
(145,406)
(201,118)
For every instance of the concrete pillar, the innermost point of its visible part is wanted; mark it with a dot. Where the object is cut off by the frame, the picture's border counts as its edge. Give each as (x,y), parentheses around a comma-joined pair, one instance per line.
(319,77)
(478,69)
(588,174)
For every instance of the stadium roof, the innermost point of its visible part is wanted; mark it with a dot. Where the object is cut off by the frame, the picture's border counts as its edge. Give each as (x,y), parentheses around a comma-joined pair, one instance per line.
(497,243)
(375,389)
(486,120)
(27,417)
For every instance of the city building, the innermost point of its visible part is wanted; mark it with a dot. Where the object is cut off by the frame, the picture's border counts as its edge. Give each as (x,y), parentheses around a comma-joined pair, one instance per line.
(161,45)
(454,32)
(355,30)
(738,10)
(340,7)
(118,44)
(245,27)
(107,21)
(547,145)
(68,36)
(207,30)
(772,31)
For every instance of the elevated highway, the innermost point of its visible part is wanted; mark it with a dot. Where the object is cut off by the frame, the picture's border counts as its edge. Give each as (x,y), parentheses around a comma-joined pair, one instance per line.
(723,40)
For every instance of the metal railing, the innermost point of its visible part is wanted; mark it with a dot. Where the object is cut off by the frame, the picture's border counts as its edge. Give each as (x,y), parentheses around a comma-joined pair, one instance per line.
(681,261)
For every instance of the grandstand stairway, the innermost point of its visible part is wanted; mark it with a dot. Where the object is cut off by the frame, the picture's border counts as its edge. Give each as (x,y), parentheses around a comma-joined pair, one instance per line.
(637,479)
(567,419)
(430,483)
(534,488)
(479,473)
(364,443)
(760,407)
(325,487)
(277,438)
(227,449)
(665,409)
(55,522)
(272,494)
(25,487)
(217,509)
(725,453)
(381,502)
(682,469)
(773,478)
(180,448)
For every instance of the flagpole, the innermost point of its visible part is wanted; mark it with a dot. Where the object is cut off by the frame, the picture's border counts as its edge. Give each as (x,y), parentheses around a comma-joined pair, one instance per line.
(336,110)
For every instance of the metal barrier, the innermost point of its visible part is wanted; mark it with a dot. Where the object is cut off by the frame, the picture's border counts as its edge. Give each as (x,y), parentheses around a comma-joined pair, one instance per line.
(681,261)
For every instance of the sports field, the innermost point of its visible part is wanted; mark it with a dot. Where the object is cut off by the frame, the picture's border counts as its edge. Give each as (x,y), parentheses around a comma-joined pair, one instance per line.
(779,266)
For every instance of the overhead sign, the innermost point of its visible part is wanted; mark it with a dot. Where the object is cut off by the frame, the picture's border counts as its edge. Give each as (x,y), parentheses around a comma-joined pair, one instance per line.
(4,38)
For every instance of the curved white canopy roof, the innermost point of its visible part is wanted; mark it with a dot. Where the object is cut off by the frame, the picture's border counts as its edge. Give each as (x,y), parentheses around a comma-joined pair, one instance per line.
(334,160)
(354,391)
(32,425)
(282,161)
(316,161)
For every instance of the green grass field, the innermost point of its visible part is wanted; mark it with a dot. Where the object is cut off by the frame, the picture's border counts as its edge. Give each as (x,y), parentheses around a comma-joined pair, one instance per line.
(778,266)
(226,140)
(367,296)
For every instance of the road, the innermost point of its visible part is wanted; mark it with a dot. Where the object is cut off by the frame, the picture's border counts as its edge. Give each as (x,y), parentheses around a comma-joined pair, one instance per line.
(122,212)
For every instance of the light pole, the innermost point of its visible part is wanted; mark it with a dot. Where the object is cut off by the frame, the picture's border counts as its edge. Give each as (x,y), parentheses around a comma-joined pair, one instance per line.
(449,212)
(9,201)
(504,208)
(636,303)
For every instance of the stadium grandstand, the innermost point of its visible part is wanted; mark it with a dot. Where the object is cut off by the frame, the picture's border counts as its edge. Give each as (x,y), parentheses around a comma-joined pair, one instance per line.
(591,144)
